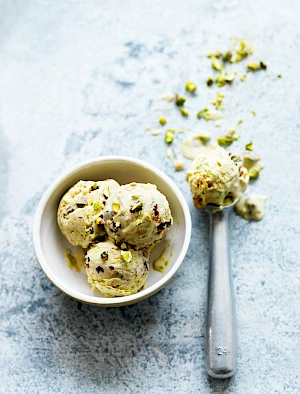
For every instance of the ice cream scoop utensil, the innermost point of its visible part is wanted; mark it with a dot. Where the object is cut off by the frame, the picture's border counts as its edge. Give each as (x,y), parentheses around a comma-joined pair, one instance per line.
(220,329)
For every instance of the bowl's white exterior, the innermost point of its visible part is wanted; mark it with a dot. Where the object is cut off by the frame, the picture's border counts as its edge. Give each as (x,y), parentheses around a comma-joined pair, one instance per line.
(50,245)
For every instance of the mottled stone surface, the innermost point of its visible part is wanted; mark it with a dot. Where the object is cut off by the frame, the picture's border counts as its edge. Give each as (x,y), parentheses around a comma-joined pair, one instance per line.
(78,79)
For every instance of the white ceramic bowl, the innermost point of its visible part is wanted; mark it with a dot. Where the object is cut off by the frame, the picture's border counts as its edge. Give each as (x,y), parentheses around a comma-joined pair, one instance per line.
(50,245)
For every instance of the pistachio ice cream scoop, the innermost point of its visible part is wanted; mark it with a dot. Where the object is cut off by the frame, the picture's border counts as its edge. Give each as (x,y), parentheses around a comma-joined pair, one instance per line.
(116,272)
(80,211)
(138,214)
(216,178)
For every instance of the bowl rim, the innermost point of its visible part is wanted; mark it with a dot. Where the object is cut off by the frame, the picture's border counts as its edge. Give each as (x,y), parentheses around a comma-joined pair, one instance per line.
(117,301)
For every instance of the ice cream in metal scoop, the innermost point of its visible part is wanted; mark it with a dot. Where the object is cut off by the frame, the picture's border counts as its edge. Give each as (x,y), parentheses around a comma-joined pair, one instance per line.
(217,182)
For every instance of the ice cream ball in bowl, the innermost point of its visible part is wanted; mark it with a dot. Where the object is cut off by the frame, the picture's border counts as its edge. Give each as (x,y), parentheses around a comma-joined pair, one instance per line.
(118,267)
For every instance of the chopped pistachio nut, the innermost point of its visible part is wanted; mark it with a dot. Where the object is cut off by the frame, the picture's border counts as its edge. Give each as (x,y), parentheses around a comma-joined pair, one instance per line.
(97,206)
(200,113)
(209,81)
(227,56)
(180,130)
(138,222)
(218,123)
(123,246)
(169,137)
(190,87)
(279,76)
(227,139)
(162,120)
(256,66)
(249,146)
(216,54)
(222,79)
(184,112)
(216,64)
(137,207)
(263,65)
(99,221)
(179,100)
(244,51)
(253,113)
(104,255)
(126,256)
(253,174)
(106,192)
(240,122)
(147,218)
(217,101)
(116,206)
(243,77)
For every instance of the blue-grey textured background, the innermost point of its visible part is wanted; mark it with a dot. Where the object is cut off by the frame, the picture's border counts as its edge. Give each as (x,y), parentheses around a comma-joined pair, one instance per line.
(77,80)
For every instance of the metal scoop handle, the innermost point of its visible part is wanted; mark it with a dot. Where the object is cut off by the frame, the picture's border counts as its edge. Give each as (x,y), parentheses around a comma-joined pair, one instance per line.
(220,330)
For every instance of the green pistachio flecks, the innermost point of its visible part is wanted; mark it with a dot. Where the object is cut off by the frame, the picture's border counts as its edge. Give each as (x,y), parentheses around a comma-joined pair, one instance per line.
(126,256)
(209,81)
(222,79)
(137,207)
(116,207)
(138,222)
(227,56)
(184,112)
(191,87)
(162,120)
(249,146)
(104,255)
(201,113)
(97,206)
(123,246)
(243,77)
(228,139)
(179,100)
(253,174)
(169,137)
(106,192)
(252,66)
(216,64)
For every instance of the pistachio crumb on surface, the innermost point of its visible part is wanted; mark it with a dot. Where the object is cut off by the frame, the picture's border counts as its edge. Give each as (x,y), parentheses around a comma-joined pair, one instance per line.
(216,64)
(253,113)
(162,120)
(184,112)
(228,138)
(209,81)
(169,137)
(249,146)
(179,100)
(190,87)
(252,66)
